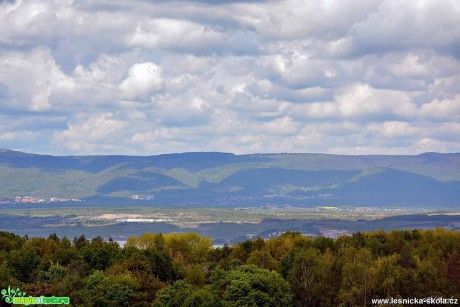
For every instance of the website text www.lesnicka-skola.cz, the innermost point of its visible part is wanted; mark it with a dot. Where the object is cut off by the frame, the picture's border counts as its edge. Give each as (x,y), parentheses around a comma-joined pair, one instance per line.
(415,301)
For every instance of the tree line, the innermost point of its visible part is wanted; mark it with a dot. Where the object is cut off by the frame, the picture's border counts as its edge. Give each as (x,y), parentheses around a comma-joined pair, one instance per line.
(184,269)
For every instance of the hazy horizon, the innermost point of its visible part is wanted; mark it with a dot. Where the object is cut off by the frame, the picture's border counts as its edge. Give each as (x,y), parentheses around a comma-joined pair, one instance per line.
(226,152)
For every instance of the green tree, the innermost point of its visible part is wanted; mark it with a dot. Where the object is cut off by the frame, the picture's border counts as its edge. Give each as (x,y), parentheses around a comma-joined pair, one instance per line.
(280,246)
(6,275)
(174,295)
(195,275)
(188,247)
(263,259)
(252,286)
(10,241)
(314,277)
(389,276)
(305,276)
(358,278)
(23,262)
(112,290)
(202,298)
(54,274)
(161,264)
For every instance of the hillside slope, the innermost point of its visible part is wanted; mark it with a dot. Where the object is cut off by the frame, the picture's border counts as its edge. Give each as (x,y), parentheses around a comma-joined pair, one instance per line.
(430,179)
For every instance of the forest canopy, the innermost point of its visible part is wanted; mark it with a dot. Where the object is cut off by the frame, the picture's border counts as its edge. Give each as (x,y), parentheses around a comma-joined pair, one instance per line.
(184,269)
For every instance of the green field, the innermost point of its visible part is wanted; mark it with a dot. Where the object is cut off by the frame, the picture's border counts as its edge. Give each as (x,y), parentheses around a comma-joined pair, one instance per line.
(223,225)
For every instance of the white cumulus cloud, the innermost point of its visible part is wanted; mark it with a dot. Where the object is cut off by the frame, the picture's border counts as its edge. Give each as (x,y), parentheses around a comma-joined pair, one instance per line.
(146,77)
(143,79)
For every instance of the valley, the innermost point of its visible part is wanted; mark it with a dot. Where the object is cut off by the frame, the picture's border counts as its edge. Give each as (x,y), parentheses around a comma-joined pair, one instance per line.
(225,196)
(223,225)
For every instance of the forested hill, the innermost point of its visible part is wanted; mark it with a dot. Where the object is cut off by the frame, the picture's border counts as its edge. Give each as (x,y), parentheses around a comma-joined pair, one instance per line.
(185,270)
(225,179)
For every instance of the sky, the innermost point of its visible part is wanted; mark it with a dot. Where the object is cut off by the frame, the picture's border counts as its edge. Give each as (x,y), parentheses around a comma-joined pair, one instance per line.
(149,77)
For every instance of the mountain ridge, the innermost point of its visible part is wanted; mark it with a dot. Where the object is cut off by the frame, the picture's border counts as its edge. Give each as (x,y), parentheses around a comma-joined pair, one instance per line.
(218,178)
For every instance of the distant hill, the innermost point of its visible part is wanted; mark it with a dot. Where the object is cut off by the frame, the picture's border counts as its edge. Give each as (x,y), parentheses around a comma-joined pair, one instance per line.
(225,179)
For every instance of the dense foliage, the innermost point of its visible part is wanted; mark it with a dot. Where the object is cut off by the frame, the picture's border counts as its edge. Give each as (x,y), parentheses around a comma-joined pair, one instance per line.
(185,270)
